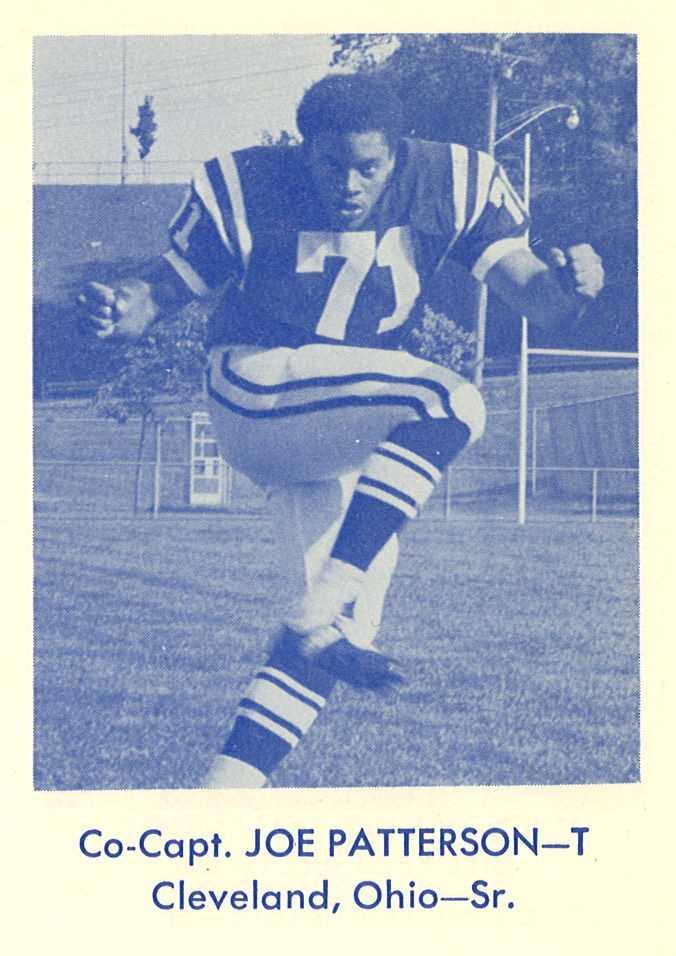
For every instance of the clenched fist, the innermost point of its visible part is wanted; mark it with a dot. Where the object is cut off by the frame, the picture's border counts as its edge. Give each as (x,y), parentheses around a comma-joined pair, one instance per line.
(579,269)
(123,311)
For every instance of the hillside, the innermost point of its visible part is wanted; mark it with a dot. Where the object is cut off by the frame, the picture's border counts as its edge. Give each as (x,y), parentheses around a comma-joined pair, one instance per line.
(80,227)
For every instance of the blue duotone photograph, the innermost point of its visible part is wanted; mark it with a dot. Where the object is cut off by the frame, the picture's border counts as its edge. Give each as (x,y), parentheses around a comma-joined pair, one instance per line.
(335,413)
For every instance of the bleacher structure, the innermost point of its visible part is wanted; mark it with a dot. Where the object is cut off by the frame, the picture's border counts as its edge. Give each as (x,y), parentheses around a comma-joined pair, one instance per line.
(582,449)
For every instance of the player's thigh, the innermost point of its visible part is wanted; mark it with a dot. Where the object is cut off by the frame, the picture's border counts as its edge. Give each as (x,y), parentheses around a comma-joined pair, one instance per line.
(420,389)
(298,415)
(308,447)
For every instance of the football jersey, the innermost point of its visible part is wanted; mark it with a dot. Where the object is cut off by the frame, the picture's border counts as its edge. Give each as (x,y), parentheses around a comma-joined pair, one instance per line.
(253,216)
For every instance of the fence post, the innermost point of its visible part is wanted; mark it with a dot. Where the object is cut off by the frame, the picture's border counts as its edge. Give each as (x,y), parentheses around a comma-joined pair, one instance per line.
(523,422)
(447,494)
(227,484)
(157,484)
(595,482)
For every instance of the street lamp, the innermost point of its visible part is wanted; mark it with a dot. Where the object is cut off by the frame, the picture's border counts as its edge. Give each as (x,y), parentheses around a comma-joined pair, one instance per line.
(514,126)
(517,123)
(496,136)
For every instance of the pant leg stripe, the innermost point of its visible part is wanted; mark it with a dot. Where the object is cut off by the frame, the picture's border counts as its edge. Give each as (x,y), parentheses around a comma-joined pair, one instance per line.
(349,401)
(334,381)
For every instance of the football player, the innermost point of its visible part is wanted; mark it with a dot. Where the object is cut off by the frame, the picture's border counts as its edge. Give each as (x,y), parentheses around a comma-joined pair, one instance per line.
(324,252)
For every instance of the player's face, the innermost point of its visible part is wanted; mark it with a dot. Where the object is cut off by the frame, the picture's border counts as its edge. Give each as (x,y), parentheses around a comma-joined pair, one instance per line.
(350,171)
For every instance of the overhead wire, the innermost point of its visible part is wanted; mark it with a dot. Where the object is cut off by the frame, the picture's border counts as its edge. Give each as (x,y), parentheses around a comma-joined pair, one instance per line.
(231,105)
(155,65)
(177,86)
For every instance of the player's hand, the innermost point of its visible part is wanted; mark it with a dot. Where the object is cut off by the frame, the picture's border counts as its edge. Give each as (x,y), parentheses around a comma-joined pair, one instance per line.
(579,270)
(119,312)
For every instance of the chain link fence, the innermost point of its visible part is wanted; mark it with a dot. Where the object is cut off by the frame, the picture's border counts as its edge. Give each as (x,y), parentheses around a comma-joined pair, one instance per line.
(93,466)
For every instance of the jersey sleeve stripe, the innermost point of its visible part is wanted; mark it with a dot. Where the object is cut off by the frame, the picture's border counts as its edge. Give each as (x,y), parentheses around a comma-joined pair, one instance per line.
(186,272)
(485,170)
(472,178)
(204,189)
(495,252)
(234,186)
(182,208)
(518,201)
(459,179)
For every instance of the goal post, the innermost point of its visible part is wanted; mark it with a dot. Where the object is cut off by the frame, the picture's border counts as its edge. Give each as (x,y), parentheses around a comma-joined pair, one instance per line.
(526,352)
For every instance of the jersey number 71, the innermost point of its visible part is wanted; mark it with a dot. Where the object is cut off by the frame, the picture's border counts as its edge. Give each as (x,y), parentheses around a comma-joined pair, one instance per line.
(360,251)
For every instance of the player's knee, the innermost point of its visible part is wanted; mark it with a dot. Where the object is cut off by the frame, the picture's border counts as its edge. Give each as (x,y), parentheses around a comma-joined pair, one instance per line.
(469,408)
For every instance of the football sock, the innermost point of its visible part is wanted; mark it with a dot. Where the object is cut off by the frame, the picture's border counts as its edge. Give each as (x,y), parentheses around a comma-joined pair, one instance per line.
(229,773)
(277,710)
(397,479)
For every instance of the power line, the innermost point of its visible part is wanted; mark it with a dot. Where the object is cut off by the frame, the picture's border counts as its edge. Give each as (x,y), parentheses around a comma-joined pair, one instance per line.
(138,79)
(155,65)
(200,83)
(168,109)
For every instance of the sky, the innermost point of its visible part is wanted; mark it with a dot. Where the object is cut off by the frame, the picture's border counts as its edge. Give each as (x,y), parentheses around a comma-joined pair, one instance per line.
(210,93)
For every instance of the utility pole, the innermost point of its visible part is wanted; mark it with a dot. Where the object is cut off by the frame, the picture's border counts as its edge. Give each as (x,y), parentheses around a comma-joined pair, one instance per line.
(491,126)
(124,156)
(500,64)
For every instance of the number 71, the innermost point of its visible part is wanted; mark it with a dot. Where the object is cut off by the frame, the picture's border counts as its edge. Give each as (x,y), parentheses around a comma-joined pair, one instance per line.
(360,252)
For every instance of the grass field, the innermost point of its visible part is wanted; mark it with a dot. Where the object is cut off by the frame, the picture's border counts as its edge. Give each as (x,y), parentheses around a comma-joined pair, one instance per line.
(520,645)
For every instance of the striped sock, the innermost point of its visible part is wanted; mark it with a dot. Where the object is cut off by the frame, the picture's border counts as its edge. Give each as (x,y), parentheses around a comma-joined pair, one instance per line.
(398,478)
(278,708)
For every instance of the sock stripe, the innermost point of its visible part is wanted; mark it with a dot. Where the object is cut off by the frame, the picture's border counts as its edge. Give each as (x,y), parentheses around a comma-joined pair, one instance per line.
(376,489)
(253,742)
(271,715)
(430,472)
(374,483)
(292,685)
(399,476)
(282,685)
(244,710)
(411,456)
(284,705)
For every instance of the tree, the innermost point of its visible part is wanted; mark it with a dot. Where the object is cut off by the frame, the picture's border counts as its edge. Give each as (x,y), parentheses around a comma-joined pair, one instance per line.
(441,340)
(283,138)
(168,362)
(146,127)
(583,183)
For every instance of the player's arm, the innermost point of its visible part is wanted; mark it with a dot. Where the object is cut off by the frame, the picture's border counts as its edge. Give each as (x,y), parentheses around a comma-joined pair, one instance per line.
(493,246)
(128,308)
(201,258)
(550,296)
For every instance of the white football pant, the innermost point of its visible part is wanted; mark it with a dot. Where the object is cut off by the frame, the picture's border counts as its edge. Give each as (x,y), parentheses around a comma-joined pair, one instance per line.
(301,423)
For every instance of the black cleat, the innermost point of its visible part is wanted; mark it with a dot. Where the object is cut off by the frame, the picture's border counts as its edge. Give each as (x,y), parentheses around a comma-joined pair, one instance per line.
(327,648)
(358,666)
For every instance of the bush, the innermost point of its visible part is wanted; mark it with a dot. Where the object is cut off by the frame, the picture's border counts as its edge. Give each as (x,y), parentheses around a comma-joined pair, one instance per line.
(443,341)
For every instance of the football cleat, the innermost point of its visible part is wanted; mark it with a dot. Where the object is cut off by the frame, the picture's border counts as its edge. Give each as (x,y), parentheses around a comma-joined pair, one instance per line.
(361,667)
(332,594)
(328,648)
